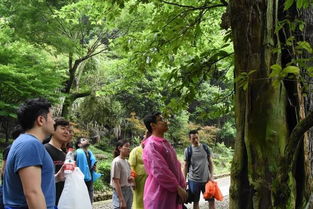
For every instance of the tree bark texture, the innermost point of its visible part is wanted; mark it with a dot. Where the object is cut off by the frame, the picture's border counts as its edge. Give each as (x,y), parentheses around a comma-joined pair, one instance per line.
(307,16)
(261,176)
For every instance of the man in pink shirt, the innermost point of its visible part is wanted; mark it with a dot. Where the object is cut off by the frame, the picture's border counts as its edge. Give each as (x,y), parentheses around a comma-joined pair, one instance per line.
(164,187)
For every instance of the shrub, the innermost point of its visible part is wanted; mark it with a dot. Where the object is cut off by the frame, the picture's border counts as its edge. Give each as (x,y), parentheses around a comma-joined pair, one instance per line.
(222,157)
(104,168)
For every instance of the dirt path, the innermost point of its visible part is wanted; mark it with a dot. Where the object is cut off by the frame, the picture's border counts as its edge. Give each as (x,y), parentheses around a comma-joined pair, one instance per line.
(223,183)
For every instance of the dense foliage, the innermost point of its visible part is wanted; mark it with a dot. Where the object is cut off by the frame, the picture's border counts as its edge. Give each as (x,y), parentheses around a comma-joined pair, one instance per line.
(107,65)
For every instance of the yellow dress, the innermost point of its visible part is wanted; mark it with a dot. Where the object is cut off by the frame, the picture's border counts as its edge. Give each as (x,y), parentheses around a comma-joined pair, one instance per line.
(136,164)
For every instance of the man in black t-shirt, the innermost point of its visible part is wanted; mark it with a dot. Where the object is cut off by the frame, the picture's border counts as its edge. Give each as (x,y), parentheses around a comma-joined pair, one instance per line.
(54,148)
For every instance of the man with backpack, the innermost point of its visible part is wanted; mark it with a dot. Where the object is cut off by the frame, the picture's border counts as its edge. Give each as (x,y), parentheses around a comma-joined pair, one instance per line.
(199,167)
(86,161)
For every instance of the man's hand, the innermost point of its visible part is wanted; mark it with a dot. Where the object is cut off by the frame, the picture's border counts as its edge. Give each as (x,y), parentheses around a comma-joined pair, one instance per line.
(182,194)
(59,176)
(94,167)
(122,204)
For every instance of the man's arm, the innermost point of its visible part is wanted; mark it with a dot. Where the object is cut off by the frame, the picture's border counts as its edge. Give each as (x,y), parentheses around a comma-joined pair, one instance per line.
(211,169)
(31,182)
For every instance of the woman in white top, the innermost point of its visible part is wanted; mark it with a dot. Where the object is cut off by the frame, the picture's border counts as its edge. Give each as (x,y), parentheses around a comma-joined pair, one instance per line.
(120,177)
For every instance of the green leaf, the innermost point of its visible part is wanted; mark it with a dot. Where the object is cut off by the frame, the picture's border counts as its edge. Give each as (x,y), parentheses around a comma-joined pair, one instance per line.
(306,46)
(251,72)
(300,3)
(276,69)
(301,26)
(306,4)
(12,115)
(288,4)
(292,69)
(310,69)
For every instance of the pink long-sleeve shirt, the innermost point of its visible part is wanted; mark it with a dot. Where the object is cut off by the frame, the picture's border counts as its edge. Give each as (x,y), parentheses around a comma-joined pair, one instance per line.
(164,175)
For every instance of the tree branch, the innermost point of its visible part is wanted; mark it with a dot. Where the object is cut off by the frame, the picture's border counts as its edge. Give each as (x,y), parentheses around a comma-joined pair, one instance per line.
(196,8)
(81,94)
(179,5)
(73,69)
(302,127)
(296,136)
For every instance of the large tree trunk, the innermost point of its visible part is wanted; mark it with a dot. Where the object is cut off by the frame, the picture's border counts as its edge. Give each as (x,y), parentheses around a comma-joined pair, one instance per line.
(307,16)
(262,177)
(69,96)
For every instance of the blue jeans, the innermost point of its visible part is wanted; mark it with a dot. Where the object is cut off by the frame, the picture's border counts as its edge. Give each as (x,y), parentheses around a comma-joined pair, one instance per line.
(128,196)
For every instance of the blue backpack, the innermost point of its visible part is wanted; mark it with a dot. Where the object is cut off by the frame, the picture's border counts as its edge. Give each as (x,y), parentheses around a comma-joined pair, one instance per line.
(189,154)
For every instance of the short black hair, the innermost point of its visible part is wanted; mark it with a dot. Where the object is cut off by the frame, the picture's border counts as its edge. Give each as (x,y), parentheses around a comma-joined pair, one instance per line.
(193,132)
(151,118)
(31,110)
(78,141)
(60,122)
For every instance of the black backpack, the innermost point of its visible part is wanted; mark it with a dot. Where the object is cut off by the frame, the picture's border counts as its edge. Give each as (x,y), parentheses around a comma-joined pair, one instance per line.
(189,154)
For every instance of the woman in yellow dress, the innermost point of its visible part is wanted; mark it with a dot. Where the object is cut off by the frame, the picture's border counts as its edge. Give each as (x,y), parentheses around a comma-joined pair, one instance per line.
(136,164)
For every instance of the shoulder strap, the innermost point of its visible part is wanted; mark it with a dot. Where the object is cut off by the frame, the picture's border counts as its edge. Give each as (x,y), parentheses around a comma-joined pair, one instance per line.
(189,153)
(207,150)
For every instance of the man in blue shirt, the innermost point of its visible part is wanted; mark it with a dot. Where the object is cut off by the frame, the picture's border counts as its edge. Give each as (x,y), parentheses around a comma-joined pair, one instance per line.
(86,161)
(29,181)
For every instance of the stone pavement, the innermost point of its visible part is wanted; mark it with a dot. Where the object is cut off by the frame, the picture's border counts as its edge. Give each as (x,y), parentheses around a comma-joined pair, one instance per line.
(223,183)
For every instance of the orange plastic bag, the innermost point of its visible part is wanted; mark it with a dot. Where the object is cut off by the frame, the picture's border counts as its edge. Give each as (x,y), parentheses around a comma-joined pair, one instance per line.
(133,174)
(212,191)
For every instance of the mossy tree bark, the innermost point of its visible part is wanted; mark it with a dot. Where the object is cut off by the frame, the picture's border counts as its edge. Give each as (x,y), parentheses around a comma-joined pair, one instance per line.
(307,16)
(269,146)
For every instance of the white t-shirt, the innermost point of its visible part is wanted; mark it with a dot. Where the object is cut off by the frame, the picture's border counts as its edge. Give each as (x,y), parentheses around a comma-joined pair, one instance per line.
(120,169)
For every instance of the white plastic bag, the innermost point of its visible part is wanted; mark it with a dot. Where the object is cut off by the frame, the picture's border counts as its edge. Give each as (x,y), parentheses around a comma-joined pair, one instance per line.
(75,194)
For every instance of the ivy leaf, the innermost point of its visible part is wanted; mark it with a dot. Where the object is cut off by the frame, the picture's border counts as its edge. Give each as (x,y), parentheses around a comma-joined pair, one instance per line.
(276,69)
(310,71)
(288,4)
(300,3)
(306,46)
(291,69)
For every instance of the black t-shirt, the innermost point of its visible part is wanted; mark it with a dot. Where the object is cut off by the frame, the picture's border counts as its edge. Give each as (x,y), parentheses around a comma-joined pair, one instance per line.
(5,156)
(58,158)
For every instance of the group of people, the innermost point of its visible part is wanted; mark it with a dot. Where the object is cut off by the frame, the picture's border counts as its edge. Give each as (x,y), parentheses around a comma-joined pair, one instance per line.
(152,177)
(33,176)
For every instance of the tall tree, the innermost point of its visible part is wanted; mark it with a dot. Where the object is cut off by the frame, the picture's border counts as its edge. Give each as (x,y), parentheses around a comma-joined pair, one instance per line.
(74,30)
(25,71)
(268,167)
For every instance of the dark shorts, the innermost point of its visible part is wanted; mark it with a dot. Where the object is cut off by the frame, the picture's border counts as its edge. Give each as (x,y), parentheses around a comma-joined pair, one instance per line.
(196,188)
